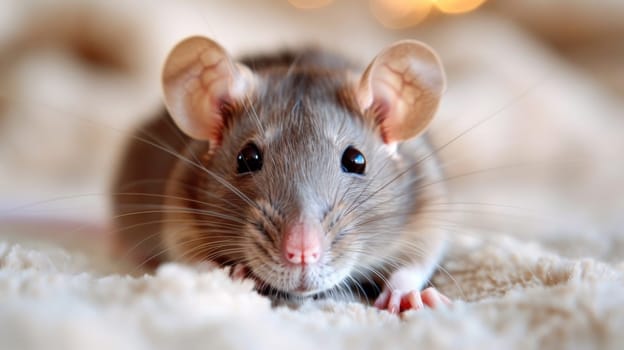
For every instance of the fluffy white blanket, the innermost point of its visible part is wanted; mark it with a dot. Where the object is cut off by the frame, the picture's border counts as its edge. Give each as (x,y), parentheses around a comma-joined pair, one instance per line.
(508,295)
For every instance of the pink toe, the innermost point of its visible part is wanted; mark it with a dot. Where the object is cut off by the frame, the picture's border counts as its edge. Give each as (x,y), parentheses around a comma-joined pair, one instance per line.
(394,304)
(432,298)
(382,300)
(414,301)
(446,299)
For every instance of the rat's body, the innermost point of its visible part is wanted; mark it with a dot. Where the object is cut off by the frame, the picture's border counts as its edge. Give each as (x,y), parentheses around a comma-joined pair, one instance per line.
(292,174)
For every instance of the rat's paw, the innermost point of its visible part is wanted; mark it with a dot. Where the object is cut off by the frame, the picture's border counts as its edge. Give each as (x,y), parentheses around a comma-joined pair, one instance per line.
(396,301)
(239,272)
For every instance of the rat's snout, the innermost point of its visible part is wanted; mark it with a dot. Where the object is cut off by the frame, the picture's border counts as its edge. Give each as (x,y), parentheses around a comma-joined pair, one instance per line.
(302,243)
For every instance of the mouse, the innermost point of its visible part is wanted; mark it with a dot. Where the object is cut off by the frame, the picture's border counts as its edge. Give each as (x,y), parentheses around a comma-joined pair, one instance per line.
(300,170)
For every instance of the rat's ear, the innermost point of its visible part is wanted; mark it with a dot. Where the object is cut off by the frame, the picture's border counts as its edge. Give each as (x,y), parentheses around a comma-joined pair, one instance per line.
(200,83)
(401,89)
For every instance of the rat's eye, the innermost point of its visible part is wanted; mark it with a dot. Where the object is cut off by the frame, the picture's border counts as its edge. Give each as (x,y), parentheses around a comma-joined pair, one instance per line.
(353,161)
(249,159)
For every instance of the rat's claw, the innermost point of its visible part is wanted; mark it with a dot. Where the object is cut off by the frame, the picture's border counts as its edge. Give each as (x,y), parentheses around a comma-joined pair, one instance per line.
(412,301)
(382,299)
(432,298)
(238,272)
(396,301)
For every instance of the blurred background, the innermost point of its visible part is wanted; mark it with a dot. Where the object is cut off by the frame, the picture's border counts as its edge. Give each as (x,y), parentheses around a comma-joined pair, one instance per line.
(533,111)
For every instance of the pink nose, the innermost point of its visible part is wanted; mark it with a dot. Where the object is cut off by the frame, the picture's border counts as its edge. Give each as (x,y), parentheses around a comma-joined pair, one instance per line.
(302,244)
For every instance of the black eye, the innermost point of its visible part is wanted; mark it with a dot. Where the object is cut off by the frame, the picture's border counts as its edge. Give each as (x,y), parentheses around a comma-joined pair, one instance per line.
(353,161)
(249,159)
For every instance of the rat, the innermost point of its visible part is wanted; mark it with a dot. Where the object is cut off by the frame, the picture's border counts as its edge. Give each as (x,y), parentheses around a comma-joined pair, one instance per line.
(298,170)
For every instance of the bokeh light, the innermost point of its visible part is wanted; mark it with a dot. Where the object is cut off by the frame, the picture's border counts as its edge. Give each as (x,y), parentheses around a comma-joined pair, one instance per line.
(400,13)
(457,6)
(309,4)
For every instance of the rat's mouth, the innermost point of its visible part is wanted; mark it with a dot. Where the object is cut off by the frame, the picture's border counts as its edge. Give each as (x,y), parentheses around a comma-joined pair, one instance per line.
(303,290)
(363,291)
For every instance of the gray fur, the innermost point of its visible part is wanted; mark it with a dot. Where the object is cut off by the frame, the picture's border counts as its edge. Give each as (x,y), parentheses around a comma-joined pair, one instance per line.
(301,128)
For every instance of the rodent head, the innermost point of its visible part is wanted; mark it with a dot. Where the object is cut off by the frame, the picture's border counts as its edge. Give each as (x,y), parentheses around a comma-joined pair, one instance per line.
(301,181)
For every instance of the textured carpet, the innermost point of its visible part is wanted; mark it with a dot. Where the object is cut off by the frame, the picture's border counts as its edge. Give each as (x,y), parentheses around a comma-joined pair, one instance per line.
(508,295)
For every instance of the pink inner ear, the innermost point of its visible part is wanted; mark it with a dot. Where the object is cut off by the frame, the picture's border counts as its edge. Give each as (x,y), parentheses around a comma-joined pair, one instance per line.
(207,92)
(388,109)
(200,81)
(380,109)
(397,95)
(401,89)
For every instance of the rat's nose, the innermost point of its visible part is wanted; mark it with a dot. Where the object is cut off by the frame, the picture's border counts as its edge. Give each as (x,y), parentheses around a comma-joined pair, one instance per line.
(302,243)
